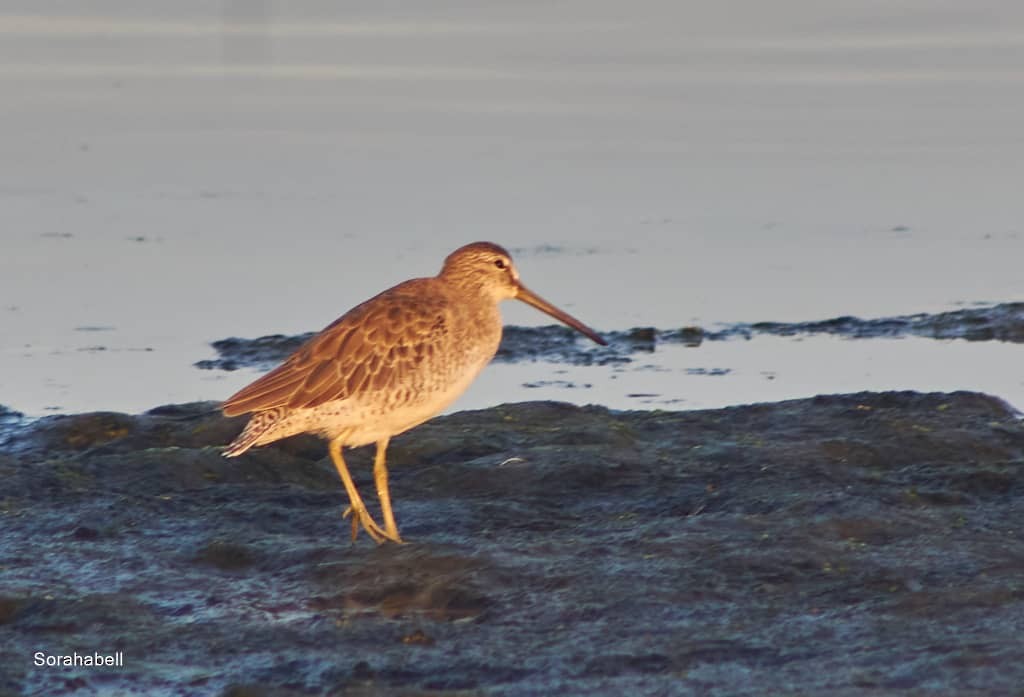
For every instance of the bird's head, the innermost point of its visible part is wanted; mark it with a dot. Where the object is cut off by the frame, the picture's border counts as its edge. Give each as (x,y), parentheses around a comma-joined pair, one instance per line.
(487,268)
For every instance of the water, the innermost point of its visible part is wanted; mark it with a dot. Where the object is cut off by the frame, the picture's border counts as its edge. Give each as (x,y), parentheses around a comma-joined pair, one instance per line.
(181,173)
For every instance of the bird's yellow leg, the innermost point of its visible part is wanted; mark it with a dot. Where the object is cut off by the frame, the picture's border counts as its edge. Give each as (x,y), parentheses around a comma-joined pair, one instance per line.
(360,516)
(380,478)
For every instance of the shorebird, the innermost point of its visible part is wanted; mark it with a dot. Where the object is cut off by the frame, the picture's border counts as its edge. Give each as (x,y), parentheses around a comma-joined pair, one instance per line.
(388,365)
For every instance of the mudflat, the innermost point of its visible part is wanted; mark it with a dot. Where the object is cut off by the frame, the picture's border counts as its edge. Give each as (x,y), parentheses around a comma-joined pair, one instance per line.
(848,544)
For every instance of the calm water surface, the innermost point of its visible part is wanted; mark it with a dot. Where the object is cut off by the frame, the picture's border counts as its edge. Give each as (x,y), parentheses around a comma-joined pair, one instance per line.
(178,173)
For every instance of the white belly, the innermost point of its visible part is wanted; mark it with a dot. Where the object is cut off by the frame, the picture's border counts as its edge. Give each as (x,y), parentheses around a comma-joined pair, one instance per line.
(360,422)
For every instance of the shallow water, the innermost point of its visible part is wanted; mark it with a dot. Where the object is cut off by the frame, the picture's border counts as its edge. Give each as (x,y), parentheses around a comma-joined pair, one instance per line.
(219,170)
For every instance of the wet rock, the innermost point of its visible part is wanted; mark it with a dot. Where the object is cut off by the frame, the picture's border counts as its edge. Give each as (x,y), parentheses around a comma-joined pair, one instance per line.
(830,545)
(418,637)
(1004,322)
(226,556)
(9,608)
(84,532)
(559,344)
(187,425)
(413,582)
(691,336)
(72,614)
(237,353)
(240,690)
(9,419)
(643,338)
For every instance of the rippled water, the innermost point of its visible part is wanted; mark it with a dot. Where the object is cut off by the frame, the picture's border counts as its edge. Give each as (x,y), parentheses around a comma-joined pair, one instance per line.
(206,170)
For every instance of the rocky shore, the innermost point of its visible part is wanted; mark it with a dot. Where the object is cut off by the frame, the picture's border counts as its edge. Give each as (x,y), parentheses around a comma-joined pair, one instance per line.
(859,544)
(557,343)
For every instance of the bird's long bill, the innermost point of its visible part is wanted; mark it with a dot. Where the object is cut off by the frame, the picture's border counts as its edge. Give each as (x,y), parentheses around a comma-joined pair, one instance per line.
(531,298)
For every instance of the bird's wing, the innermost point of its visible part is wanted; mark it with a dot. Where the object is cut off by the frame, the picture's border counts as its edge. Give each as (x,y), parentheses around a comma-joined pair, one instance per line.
(379,345)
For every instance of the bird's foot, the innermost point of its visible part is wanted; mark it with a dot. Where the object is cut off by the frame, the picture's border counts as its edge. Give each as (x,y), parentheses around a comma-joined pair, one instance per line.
(361,517)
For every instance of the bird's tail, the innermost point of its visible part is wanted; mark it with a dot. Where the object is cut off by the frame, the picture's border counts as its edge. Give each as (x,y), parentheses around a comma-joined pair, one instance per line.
(255,432)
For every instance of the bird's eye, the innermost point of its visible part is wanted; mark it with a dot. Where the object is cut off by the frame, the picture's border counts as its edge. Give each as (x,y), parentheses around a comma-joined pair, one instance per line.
(500,263)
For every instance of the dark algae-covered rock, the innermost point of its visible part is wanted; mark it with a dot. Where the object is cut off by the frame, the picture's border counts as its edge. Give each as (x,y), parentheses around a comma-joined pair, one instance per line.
(559,344)
(862,544)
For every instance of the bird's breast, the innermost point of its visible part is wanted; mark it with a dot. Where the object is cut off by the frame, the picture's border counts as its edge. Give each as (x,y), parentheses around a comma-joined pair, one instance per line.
(449,365)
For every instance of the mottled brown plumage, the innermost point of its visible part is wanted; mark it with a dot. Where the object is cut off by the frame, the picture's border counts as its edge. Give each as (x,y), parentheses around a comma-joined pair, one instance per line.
(388,365)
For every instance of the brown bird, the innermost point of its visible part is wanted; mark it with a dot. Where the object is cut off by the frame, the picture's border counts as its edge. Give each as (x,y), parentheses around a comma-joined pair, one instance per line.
(388,365)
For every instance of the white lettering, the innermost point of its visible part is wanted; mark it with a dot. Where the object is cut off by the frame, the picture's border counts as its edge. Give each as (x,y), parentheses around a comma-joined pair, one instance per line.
(76,660)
